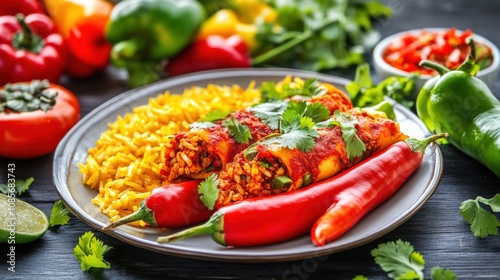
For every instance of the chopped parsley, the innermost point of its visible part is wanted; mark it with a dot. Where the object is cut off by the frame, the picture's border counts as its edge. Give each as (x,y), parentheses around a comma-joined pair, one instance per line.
(209,191)
(240,132)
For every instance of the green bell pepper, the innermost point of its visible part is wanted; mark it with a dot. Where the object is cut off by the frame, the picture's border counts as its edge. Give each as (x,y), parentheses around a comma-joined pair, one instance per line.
(145,32)
(462,105)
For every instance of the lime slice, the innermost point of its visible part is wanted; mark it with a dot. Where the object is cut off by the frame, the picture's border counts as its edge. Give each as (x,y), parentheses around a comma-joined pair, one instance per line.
(20,222)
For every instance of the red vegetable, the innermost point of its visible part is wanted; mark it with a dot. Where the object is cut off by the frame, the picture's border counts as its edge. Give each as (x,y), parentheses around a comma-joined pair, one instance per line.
(212,52)
(379,178)
(34,117)
(30,48)
(171,206)
(447,48)
(266,220)
(14,7)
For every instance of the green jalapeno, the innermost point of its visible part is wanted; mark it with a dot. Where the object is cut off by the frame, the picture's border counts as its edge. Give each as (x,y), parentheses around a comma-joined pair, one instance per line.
(462,105)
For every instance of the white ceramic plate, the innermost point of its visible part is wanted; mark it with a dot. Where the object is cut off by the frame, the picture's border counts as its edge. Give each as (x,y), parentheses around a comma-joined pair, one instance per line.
(73,150)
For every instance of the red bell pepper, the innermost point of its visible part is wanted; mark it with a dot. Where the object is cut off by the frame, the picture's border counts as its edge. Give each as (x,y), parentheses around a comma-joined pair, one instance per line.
(30,48)
(14,7)
(211,52)
(82,24)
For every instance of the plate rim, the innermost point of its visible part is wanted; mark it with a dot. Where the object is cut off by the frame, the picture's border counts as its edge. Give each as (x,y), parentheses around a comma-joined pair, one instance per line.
(65,152)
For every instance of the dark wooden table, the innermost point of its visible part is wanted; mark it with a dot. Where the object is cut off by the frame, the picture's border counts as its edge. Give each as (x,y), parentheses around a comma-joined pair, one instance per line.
(436,231)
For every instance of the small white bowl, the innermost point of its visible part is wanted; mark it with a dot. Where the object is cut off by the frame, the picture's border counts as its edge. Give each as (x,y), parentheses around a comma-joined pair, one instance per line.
(489,75)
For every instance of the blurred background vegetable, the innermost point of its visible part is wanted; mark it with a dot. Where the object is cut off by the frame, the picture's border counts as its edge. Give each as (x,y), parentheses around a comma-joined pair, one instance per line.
(82,24)
(26,7)
(341,44)
(30,48)
(145,32)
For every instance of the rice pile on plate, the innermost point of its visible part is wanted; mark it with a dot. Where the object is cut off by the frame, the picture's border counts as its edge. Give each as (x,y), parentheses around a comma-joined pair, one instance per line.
(124,166)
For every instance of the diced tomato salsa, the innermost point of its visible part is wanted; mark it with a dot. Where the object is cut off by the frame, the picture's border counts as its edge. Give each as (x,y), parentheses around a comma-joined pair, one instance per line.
(448,48)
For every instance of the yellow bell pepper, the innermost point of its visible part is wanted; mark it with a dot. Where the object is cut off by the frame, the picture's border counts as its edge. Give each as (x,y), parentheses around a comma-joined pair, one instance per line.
(227,22)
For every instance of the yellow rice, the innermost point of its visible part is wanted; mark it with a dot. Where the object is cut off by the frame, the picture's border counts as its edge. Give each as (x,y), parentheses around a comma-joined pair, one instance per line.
(124,166)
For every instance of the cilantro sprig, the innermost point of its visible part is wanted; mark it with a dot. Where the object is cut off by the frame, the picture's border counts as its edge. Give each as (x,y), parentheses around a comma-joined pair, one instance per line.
(209,191)
(20,187)
(59,214)
(482,223)
(240,132)
(400,261)
(90,252)
(297,125)
(271,92)
(354,146)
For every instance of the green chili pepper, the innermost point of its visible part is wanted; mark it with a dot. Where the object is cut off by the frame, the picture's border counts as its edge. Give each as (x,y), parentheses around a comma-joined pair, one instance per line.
(462,105)
(145,32)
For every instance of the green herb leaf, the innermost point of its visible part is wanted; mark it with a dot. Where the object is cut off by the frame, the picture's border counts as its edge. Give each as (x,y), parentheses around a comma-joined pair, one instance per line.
(240,132)
(360,277)
(270,112)
(482,223)
(438,273)
(271,92)
(209,191)
(354,146)
(399,260)
(216,115)
(20,186)
(59,214)
(202,125)
(90,252)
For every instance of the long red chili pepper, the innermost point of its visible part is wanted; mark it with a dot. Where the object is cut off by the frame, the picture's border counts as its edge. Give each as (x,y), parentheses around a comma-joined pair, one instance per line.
(382,176)
(266,220)
(171,206)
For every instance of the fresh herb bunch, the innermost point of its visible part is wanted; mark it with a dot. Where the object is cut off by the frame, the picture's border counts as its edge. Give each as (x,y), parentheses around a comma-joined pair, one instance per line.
(341,31)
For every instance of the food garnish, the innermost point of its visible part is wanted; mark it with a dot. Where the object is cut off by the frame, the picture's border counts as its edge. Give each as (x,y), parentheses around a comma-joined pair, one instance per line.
(90,252)
(58,215)
(482,223)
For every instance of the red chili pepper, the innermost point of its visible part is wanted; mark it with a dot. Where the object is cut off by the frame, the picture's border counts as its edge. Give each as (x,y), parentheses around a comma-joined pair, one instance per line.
(380,177)
(266,220)
(30,48)
(14,7)
(212,52)
(171,206)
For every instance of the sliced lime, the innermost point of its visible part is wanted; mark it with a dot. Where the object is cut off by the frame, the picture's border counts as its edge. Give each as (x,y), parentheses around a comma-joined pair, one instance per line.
(20,222)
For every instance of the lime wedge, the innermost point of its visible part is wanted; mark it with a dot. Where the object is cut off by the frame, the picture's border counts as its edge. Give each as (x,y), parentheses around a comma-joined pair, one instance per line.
(20,222)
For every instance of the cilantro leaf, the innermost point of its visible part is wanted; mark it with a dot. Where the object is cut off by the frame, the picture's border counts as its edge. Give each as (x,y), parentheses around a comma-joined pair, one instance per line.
(215,116)
(317,112)
(270,112)
(296,132)
(399,260)
(90,252)
(209,191)
(59,214)
(20,186)
(240,132)
(354,146)
(202,125)
(482,223)
(438,273)
(360,277)
(270,91)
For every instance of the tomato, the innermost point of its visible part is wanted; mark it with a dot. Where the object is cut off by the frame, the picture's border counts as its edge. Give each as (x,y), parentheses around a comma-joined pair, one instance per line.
(447,47)
(36,133)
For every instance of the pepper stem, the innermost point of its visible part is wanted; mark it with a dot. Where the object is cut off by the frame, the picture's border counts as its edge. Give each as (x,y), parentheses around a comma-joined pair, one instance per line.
(417,145)
(469,65)
(435,66)
(214,227)
(26,39)
(143,213)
